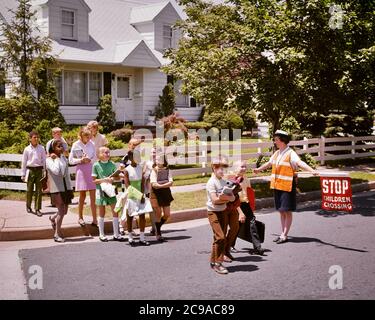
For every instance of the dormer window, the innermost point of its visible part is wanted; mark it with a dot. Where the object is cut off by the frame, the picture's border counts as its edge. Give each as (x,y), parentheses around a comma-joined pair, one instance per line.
(68,24)
(167,36)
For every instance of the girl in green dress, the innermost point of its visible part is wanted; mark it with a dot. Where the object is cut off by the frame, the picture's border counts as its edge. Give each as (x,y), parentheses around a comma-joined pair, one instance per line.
(101,173)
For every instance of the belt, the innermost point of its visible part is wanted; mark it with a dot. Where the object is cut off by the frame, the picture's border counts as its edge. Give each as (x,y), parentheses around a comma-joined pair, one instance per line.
(35,168)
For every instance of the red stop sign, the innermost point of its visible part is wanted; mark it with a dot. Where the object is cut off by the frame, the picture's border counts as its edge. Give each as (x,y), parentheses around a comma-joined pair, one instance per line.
(336,193)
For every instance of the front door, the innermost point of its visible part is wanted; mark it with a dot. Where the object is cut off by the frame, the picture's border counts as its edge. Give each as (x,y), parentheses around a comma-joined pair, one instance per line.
(122,97)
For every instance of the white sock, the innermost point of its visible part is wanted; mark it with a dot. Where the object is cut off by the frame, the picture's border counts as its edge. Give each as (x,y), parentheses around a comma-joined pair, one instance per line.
(115,227)
(130,236)
(101,227)
(142,236)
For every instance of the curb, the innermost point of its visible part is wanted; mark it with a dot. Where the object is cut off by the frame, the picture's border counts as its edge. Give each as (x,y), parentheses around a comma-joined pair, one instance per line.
(73,230)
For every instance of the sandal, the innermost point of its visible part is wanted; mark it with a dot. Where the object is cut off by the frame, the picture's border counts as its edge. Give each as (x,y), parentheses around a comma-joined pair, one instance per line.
(282,240)
(81,222)
(53,223)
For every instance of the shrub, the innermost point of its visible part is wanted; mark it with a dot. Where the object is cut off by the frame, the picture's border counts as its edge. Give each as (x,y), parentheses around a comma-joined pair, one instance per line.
(167,102)
(249,119)
(198,125)
(71,136)
(309,159)
(123,134)
(12,140)
(224,120)
(114,144)
(106,116)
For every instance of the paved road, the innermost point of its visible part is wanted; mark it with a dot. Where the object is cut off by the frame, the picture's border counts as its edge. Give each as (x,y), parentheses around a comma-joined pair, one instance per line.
(179,269)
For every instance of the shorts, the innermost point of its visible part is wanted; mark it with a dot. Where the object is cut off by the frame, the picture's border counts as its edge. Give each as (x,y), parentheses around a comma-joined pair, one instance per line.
(103,200)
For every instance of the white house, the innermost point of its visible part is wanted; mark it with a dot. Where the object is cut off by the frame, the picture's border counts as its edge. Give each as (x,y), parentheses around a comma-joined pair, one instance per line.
(110,47)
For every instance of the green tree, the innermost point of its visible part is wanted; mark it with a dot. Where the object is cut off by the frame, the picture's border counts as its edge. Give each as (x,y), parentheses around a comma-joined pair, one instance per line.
(26,57)
(281,58)
(25,52)
(167,103)
(106,116)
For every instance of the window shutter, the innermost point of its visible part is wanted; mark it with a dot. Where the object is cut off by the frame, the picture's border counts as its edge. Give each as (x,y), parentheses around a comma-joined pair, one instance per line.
(107,83)
(170,79)
(193,103)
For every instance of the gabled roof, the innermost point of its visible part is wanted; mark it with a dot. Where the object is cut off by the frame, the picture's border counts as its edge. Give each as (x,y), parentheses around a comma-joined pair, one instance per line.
(112,39)
(46,2)
(147,13)
(130,50)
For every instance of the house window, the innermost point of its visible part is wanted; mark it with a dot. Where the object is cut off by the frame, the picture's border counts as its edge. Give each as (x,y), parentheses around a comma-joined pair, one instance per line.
(79,87)
(75,88)
(95,87)
(68,23)
(167,37)
(123,87)
(182,100)
(58,85)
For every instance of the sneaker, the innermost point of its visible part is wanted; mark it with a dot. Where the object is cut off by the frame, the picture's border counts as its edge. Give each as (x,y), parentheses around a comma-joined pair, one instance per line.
(131,243)
(59,239)
(119,239)
(218,267)
(103,239)
(38,213)
(259,251)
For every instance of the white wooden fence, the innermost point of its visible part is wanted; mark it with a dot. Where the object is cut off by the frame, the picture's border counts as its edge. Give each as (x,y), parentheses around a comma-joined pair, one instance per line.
(320,148)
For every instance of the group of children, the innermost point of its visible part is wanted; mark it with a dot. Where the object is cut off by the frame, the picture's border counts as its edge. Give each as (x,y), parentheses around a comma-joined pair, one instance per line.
(146,185)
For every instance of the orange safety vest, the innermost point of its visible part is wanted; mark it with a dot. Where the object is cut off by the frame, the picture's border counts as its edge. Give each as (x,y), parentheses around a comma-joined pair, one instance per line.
(282,172)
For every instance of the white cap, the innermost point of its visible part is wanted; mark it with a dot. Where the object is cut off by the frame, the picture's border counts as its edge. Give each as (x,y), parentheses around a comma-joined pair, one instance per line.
(282,133)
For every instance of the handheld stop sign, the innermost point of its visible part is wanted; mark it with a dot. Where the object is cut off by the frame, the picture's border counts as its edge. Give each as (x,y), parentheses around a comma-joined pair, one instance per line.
(336,192)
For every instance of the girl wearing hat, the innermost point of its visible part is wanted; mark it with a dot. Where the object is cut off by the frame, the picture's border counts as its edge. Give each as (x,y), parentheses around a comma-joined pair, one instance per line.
(284,162)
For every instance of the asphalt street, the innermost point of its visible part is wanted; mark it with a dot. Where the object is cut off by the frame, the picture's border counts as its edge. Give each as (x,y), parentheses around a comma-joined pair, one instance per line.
(179,268)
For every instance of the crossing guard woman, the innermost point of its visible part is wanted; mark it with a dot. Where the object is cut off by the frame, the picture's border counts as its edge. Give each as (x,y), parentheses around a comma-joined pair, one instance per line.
(284,162)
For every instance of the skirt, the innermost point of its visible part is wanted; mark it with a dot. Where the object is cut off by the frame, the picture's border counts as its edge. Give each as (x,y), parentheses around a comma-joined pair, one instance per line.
(84,180)
(284,200)
(162,197)
(60,199)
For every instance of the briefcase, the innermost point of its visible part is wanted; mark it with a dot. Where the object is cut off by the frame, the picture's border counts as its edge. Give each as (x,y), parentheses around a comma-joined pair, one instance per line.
(244,232)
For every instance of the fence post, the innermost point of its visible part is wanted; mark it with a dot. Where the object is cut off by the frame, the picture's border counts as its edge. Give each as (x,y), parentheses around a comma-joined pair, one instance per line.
(204,163)
(353,147)
(322,143)
(304,147)
(259,148)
